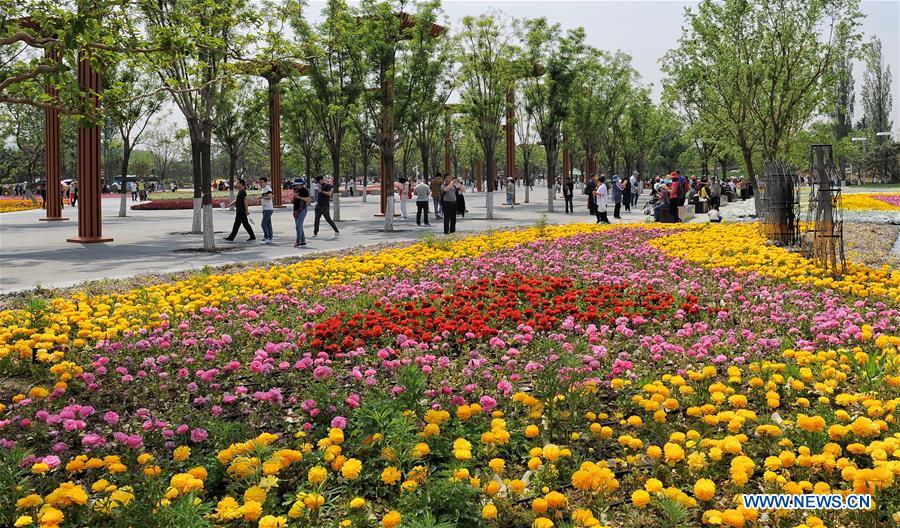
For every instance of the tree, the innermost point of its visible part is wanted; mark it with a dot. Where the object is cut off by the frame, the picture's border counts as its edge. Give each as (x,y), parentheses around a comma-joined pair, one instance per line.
(758,69)
(130,115)
(547,96)
(843,97)
(603,86)
(166,145)
(24,124)
(366,136)
(393,37)
(876,92)
(239,123)
(196,72)
(333,55)
(304,136)
(526,143)
(488,70)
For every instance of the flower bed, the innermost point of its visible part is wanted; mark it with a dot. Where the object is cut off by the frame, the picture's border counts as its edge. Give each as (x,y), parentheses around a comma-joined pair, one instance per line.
(559,376)
(163,201)
(871,201)
(12,206)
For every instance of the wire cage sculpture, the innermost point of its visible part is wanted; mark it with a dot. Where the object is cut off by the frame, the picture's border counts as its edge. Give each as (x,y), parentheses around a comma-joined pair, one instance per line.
(779,204)
(824,226)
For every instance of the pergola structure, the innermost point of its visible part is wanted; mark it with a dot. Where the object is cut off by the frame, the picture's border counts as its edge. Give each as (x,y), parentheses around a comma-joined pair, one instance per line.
(274,73)
(407,21)
(90,228)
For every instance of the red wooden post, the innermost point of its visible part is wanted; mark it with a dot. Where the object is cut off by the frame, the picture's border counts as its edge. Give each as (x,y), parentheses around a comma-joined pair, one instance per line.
(89,212)
(52,156)
(275,139)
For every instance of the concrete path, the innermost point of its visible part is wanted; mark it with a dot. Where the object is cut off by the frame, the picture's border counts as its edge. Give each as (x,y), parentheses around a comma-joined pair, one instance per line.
(34,253)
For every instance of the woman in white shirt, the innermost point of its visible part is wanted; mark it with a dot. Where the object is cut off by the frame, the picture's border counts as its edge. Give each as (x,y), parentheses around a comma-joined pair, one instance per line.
(404,193)
(600,198)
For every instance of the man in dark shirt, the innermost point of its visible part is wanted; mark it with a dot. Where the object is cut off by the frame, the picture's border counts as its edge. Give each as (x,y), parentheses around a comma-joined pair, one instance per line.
(240,213)
(568,189)
(323,201)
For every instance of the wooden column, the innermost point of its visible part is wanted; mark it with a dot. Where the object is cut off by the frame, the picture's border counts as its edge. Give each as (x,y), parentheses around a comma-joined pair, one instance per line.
(275,139)
(89,211)
(510,136)
(52,152)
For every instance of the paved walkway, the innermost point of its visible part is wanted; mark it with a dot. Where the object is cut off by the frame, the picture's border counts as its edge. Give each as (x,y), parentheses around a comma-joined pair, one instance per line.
(34,253)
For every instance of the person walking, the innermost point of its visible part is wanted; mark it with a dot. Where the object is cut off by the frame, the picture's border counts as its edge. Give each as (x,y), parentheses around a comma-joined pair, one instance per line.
(422,191)
(268,208)
(436,193)
(323,207)
(74,194)
(569,194)
(510,193)
(635,188)
(301,207)
(600,200)
(589,189)
(404,192)
(142,190)
(626,193)
(134,192)
(353,187)
(448,204)
(240,214)
(617,196)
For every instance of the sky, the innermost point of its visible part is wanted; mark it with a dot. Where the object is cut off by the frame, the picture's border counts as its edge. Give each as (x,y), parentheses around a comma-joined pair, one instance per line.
(646,29)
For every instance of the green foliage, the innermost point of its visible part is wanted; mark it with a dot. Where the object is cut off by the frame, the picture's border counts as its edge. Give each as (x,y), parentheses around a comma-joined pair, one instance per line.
(756,71)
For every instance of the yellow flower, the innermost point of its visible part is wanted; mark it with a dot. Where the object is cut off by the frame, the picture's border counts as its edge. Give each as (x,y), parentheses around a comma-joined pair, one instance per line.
(704,489)
(640,498)
(29,501)
(23,520)
(317,474)
(391,519)
(350,469)
(181,453)
(391,475)
(674,453)
(489,511)
(497,465)
(653,485)
(357,503)
(531,431)
(542,522)
(255,493)
(251,510)
(270,521)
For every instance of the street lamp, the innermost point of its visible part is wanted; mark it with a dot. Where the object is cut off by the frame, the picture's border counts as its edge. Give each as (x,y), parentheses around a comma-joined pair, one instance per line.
(859,139)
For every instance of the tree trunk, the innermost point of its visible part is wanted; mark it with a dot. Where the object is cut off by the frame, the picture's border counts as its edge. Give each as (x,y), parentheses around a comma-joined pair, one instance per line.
(365,178)
(751,176)
(209,240)
(336,176)
(196,225)
(126,156)
(489,195)
(387,142)
(551,176)
(232,169)
(526,176)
